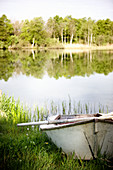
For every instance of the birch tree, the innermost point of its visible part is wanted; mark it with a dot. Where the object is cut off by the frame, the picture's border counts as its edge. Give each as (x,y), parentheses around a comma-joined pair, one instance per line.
(71,29)
(90,24)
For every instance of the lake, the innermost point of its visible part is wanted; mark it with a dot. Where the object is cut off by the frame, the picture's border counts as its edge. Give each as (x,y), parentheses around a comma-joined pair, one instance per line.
(72,81)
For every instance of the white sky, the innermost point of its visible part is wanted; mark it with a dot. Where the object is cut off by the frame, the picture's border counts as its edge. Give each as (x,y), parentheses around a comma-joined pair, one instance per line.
(28,9)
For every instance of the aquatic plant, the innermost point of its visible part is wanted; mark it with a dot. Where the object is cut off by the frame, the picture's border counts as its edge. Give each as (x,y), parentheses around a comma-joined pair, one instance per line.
(14,110)
(17,112)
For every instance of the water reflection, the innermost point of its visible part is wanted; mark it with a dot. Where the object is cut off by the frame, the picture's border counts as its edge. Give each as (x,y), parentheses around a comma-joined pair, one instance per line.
(40,77)
(55,63)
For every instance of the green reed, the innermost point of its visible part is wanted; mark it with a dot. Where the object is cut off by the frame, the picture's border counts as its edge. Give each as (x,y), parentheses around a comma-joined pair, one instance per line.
(14,110)
(17,112)
(53,108)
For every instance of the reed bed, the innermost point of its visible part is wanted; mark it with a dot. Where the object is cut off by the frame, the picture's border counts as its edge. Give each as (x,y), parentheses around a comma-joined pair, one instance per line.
(16,112)
(29,148)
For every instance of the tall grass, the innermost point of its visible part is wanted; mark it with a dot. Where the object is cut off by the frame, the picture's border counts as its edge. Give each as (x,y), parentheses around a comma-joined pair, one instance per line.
(21,113)
(28,148)
(14,111)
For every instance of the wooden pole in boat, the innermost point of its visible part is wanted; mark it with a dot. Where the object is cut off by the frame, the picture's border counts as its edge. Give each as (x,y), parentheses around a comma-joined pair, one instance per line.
(54,121)
(66,121)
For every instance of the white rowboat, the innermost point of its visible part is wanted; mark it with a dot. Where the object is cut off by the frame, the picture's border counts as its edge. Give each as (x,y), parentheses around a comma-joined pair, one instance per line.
(84,135)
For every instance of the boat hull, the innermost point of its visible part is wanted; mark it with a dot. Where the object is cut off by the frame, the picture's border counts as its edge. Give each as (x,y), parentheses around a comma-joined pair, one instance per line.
(85,139)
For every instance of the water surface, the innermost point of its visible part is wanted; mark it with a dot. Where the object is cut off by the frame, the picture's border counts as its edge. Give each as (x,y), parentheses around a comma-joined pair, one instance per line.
(58,78)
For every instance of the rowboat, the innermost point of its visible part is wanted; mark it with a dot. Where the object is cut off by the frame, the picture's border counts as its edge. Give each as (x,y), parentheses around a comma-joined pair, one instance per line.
(85,135)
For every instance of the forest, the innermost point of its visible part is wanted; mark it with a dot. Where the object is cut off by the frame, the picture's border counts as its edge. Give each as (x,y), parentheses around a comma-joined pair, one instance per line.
(57,31)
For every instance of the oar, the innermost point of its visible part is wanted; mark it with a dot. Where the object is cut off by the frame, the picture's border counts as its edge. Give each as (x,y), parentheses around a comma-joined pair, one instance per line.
(55,121)
(103,117)
(106,116)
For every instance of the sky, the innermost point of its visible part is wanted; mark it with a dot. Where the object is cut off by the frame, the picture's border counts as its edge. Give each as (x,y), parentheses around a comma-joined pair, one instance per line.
(28,9)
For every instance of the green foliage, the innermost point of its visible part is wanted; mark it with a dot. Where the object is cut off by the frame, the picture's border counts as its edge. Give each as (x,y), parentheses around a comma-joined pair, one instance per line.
(36,33)
(6,30)
(33,29)
(50,42)
(13,39)
(7,61)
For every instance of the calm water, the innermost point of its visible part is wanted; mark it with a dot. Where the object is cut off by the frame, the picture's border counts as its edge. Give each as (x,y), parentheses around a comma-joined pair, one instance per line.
(74,80)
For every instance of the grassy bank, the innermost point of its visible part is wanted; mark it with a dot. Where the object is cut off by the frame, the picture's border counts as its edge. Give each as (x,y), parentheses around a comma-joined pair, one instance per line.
(29,148)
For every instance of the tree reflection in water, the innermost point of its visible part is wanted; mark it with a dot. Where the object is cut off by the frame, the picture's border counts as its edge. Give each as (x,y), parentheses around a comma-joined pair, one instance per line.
(55,63)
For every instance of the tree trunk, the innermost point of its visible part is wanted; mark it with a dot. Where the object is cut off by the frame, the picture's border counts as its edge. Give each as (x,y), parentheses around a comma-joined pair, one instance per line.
(88,37)
(62,59)
(33,54)
(71,38)
(91,39)
(65,37)
(71,58)
(62,35)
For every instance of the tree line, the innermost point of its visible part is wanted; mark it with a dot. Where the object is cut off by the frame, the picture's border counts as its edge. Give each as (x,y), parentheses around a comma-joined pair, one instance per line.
(56,30)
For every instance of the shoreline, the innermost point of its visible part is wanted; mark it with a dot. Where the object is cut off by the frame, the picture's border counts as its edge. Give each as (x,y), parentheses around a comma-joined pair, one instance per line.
(65,47)
(82,46)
